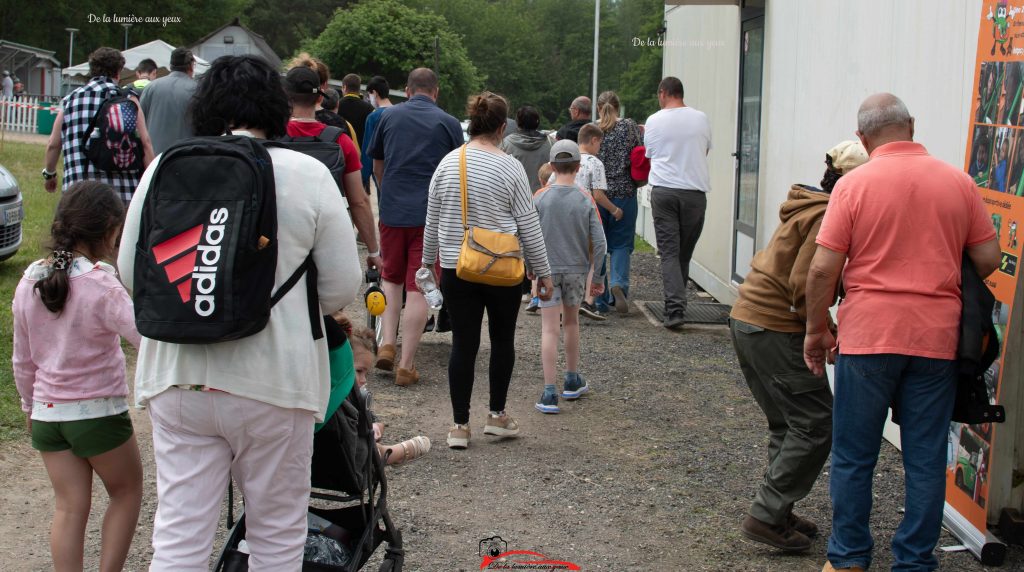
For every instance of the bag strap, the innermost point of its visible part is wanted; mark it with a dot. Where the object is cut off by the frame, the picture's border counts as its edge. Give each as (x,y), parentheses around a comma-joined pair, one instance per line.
(308,267)
(462,187)
(108,94)
(330,134)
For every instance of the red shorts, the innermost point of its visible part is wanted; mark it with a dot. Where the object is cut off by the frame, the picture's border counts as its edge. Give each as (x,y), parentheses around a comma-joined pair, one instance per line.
(402,251)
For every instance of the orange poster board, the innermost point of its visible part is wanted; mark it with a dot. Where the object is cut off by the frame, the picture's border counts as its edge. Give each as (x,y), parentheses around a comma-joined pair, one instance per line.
(995,159)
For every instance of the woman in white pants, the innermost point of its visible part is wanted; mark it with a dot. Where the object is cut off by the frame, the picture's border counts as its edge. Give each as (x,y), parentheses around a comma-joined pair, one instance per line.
(245,408)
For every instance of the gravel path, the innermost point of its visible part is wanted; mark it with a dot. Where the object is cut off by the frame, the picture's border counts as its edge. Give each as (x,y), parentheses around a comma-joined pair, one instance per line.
(652,471)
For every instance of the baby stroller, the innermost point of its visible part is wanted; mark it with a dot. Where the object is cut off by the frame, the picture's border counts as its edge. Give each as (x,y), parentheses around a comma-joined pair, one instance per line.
(346,461)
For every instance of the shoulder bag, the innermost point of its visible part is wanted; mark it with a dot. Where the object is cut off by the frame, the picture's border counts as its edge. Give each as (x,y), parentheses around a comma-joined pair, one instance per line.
(487,257)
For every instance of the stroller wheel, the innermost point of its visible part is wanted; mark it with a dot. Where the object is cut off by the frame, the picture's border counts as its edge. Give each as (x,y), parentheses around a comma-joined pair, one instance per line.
(387,566)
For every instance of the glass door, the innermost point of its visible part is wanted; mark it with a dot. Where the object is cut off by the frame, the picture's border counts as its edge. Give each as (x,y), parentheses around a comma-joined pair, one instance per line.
(748,146)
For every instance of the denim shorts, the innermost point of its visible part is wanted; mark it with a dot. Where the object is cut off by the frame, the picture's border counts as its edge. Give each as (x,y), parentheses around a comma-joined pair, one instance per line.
(570,290)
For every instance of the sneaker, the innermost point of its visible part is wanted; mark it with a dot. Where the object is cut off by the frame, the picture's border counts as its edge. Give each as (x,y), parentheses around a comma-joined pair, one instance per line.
(801,524)
(591,312)
(458,436)
(621,302)
(780,536)
(533,306)
(501,425)
(574,386)
(386,357)
(548,403)
(675,320)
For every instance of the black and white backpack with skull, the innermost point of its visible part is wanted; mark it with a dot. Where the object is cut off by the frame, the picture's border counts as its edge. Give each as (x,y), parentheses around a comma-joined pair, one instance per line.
(111,142)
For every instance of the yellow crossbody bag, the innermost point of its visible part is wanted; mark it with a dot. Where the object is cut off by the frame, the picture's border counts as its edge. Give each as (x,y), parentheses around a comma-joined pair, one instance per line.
(487,257)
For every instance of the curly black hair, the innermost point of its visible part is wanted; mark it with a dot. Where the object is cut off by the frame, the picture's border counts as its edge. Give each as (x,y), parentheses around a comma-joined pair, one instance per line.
(106,62)
(240,92)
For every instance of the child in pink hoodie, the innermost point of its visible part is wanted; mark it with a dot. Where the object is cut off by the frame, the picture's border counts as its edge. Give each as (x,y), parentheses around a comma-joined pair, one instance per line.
(70,313)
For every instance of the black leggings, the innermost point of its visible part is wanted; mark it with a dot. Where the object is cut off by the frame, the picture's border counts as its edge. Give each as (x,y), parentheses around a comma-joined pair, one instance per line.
(466,302)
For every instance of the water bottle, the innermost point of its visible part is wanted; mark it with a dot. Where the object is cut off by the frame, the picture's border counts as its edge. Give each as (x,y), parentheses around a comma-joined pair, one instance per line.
(428,286)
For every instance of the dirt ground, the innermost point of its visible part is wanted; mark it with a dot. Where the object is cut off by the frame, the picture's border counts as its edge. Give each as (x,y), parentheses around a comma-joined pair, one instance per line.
(652,471)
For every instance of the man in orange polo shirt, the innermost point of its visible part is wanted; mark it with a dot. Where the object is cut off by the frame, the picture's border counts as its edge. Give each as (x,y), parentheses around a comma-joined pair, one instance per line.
(900,224)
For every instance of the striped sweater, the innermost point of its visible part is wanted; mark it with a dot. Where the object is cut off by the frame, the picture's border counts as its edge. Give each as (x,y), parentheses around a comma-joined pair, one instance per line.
(499,200)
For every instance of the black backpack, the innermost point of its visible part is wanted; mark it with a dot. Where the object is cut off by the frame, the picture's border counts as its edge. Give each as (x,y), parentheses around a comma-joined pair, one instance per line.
(111,143)
(207,249)
(324,148)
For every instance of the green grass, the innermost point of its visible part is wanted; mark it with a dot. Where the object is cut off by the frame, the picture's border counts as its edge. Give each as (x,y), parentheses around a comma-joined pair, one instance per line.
(24,161)
(640,245)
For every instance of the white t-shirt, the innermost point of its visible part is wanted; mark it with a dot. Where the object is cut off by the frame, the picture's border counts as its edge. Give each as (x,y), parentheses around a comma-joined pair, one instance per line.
(590,176)
(678,140)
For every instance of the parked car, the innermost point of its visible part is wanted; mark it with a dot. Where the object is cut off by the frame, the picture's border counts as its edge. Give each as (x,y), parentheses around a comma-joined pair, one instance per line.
(11,214)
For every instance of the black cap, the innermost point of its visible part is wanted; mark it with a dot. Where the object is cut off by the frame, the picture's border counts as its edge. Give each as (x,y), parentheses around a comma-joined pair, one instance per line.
(301,79)
(181,57)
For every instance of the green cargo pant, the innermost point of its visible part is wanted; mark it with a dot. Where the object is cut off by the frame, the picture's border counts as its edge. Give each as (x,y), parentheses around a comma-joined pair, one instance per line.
(798,406)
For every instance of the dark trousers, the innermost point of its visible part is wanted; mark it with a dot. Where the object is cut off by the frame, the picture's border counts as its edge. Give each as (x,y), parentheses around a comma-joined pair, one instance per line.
(798,406)
(678,221)
(466,303)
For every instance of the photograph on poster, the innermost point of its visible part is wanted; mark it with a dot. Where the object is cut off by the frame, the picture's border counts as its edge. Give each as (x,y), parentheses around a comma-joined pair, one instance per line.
(1015,185)
(981,154)
(970,464)
(1000,168)
(989,91)
(1011,100)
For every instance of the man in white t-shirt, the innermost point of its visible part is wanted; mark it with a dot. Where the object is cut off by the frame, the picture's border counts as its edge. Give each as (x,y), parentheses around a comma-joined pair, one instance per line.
(678,139)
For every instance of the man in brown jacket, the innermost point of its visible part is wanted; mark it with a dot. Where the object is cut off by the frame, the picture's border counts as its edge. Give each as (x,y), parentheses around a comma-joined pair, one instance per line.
(768,331)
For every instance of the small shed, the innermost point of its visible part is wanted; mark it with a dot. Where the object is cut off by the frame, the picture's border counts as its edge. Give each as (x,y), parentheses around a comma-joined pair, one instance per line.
(234,39)
(37,68)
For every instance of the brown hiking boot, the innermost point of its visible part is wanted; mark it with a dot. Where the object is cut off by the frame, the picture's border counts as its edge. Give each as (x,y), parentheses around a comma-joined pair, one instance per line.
(802,525)
(828,568)
(406,377)
(386,357)
(780,536)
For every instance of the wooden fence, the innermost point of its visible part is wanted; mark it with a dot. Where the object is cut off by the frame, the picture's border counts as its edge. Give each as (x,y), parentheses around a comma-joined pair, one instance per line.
(21,113)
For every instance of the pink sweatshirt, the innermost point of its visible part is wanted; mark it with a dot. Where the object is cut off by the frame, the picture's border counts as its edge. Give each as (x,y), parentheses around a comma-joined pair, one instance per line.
(76,354)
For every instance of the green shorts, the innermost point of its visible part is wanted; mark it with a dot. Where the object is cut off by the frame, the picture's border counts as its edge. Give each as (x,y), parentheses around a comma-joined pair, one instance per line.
(85,438)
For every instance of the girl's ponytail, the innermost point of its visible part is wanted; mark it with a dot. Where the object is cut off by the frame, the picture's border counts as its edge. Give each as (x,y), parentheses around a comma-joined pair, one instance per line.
(85,216)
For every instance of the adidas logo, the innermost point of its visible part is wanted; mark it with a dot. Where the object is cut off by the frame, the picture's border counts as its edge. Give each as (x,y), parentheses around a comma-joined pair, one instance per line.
(194,256)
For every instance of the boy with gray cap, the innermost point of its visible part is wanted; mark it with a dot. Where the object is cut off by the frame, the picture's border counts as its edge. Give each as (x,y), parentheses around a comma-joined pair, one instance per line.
(575,239)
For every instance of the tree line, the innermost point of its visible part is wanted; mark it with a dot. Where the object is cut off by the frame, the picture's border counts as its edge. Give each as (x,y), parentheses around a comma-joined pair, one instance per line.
(535,52)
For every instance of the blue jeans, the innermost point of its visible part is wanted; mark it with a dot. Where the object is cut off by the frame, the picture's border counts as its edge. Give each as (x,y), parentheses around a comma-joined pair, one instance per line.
(620,236)
(865,386)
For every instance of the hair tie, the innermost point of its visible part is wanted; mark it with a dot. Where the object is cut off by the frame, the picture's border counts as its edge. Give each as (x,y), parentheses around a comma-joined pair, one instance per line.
(62,259)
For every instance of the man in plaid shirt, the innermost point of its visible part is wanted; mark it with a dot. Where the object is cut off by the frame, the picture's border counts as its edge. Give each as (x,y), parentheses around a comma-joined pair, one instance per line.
(78,109)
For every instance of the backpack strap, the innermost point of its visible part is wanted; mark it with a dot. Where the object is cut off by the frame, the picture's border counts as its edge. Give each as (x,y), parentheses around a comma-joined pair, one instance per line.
(330,134)
(92,122)
(308,267)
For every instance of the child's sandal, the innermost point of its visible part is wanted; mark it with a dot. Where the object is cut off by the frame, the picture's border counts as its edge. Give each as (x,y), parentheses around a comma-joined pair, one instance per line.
(414,448)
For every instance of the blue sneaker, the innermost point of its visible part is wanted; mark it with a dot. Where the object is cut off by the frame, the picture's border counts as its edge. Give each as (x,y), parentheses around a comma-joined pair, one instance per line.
(534,305)
(548,403)
(575,386)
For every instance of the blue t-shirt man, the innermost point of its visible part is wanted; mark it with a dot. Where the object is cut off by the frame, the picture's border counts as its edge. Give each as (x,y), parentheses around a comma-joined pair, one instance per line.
(411,138)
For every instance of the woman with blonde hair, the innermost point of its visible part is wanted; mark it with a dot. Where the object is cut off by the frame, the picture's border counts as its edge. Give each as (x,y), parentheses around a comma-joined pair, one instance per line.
(620,137)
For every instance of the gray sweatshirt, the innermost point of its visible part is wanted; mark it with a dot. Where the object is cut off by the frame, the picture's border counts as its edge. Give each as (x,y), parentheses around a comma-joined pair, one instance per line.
(572,230)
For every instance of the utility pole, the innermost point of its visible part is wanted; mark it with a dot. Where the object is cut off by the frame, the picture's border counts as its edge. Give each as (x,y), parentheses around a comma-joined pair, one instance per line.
(71,52)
